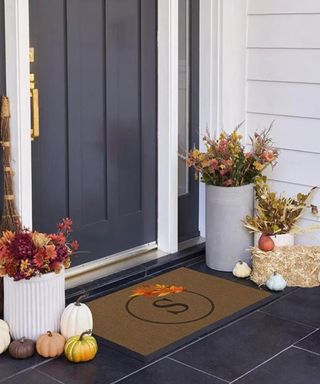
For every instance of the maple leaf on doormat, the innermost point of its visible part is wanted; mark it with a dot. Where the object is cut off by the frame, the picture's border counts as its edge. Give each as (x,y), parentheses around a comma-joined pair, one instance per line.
(156,290)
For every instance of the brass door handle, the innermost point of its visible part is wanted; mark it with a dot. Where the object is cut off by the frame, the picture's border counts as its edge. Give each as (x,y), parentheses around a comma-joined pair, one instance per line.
(35,130)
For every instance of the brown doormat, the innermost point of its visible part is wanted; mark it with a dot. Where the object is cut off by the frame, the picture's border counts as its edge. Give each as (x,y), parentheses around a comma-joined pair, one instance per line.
(170,310)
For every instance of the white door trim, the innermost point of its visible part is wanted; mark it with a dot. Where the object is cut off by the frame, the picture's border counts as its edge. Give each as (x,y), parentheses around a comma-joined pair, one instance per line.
(209,81)
(18,91)
(168,125)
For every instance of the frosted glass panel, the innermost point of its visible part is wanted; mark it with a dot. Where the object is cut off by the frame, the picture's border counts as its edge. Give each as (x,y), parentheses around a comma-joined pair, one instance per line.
(184,71)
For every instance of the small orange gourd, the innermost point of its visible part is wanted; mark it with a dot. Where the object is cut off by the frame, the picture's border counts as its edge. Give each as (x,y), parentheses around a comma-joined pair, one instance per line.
(50,344)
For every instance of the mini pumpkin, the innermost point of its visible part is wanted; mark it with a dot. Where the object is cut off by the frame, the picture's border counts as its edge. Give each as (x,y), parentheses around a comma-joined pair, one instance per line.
(266,244)
(50,344)
(276,282)
(22,348)
(81,348)
(241,270)
(76,318)
(4,336)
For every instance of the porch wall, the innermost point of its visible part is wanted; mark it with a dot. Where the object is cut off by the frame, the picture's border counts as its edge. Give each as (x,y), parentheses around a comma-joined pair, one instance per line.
(2,50)
(283,84)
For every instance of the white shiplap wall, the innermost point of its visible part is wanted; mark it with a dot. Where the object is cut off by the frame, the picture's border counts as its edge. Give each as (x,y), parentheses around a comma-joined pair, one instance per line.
(283,84)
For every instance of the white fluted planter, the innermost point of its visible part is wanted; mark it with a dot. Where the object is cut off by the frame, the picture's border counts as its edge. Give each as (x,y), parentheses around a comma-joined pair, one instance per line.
(35,306)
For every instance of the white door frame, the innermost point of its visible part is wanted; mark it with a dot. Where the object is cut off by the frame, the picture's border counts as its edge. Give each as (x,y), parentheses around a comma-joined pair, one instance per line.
(168,125)
(18,91)
(211,97)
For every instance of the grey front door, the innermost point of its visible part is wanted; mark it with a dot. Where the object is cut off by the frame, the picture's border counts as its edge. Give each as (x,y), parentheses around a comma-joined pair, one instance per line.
(95,160)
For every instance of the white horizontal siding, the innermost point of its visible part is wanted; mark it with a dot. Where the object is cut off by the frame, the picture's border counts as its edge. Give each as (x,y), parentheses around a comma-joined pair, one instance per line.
(284,31)
(283,6)
(293,99)
(308,238)
(286,130)
(293,65)
(297,167)
(283,85)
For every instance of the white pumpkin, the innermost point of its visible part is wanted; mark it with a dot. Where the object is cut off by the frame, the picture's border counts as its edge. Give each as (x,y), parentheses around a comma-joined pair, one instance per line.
(276,282)
(4,336)
(76,319)
(241,270)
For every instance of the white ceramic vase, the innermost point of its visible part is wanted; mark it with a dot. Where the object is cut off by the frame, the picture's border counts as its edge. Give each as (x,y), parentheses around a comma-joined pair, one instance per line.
(279,240)
(33,307)
(227,240)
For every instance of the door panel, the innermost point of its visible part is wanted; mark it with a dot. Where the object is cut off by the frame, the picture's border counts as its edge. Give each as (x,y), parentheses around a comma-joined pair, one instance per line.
(188,204)
(96,72)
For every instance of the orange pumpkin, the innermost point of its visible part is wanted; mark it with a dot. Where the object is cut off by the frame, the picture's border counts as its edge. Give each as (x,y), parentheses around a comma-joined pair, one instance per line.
(81,348)
(50,344)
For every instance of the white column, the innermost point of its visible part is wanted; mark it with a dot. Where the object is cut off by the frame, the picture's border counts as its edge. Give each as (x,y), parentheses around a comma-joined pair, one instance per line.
(168,125)
(223,31)
(17,78)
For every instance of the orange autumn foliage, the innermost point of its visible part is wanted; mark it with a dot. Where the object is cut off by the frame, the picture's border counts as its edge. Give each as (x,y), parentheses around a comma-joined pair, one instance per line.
(157,290)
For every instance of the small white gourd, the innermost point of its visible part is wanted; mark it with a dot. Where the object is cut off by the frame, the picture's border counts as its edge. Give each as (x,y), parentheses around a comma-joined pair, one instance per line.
(76,319)
(276,282)
(4,336)
(241,270)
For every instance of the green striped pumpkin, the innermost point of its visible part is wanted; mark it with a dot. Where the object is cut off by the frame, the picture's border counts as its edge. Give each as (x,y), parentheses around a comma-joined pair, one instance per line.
(81,348)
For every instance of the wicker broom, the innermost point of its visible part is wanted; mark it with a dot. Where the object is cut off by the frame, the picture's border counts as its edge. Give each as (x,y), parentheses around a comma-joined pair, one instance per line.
(10,218)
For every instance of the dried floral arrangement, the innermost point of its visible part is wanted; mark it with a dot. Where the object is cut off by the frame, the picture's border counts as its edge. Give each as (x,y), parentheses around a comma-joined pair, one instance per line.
(227,162)
(25,254)
(278,214)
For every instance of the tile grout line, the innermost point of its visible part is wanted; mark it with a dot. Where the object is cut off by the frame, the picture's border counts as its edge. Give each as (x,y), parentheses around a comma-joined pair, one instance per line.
(285,319)
(306,350)
(304,337)
(26,370)
(216,330)
(272,357)
(259,365)
(50,377)
(198,370)
(156,361)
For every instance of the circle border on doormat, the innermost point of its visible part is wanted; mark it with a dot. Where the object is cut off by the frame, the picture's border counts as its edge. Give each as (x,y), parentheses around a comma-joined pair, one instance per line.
(172,323)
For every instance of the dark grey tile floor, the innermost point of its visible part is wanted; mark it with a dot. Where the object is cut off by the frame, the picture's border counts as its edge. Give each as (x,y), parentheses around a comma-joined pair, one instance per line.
(279,343)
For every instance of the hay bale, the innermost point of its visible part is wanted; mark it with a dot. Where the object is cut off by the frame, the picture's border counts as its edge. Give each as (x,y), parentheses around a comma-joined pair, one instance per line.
(299,265)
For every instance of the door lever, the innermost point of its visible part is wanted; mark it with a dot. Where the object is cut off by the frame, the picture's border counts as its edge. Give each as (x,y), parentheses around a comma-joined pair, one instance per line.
(34,94)
(35,131)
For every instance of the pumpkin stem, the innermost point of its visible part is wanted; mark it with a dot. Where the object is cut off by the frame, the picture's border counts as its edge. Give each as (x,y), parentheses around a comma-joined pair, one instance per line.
(78,301)
(22,340)
(88,332)
(49,333)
